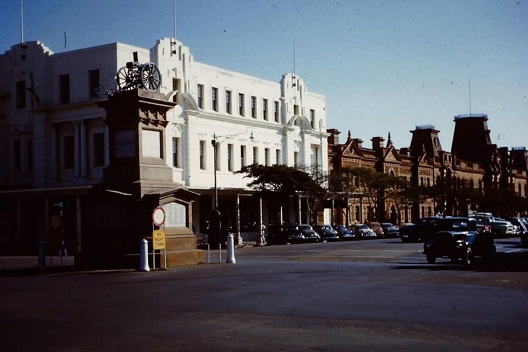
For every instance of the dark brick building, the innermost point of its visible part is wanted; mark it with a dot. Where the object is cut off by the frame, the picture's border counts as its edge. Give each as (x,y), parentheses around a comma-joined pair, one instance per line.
(474,175)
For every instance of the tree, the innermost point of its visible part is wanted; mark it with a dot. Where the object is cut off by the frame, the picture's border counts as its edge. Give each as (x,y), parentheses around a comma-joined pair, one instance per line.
(376,187)
(277,183)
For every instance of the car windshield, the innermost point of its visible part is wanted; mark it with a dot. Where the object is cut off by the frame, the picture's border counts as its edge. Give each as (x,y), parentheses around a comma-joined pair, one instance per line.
(305,227)
(455,225)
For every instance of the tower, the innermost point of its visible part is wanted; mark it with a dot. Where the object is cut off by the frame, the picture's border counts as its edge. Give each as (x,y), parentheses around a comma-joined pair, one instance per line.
(471,139)
(425,138)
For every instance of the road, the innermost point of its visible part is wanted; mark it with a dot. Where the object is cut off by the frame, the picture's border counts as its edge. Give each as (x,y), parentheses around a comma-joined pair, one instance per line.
(373,295)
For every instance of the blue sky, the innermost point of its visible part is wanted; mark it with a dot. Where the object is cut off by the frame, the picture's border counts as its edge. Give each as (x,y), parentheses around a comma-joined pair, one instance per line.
(384,66)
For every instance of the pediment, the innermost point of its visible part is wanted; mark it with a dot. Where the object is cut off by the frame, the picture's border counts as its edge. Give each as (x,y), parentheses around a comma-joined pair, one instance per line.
(392,155)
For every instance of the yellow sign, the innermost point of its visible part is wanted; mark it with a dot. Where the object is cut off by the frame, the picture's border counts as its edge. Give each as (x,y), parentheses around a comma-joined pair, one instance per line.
(158,239)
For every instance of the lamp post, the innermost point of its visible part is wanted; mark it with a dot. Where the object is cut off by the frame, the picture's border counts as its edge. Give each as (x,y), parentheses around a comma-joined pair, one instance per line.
(214,216)
(215,144)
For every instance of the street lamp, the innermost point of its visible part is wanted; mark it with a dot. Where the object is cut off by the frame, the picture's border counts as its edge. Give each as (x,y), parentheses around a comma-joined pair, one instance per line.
(215,142)
(214,217)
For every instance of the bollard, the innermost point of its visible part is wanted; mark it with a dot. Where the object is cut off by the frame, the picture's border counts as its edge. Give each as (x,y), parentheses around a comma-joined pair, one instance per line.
(143,255)
(231,249)
(42,254)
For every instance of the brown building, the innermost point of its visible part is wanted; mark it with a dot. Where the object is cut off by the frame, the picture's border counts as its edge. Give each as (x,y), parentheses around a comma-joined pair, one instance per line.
(474,175)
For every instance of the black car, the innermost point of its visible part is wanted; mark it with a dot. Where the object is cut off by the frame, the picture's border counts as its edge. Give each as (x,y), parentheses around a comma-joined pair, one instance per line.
(326,232)
(390,230)
(308,233)
(419,231)
(458,238)
(344,233)
(282,234)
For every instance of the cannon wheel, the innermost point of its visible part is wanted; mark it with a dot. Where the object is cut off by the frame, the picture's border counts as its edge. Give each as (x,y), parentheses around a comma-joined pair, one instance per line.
(125,78)
(150,76)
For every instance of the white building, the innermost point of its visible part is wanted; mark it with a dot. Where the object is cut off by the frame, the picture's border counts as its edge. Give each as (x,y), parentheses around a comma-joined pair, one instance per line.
(54,141)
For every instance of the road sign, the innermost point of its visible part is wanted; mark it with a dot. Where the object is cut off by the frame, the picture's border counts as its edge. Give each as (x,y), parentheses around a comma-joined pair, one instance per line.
(158,239)
(158,216)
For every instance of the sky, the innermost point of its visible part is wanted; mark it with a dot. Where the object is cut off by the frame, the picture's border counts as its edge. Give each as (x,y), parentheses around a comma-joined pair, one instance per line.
(383,66)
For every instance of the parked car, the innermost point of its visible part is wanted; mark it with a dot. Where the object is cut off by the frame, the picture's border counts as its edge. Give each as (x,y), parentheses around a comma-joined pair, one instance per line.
(326,232)
(499,227)
(520,225)
(376,227)
(282,234)
(276,235)
(390,230)
(344,233)
(419,231)
(524,236)
(308,233)
(458,238)
(292,233)
(363,231)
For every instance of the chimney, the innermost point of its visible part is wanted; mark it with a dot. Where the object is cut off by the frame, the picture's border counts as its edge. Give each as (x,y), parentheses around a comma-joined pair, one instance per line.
(377,143)
(333,139)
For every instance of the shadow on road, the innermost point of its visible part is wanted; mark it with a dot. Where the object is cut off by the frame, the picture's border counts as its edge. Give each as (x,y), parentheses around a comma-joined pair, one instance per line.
(500,262)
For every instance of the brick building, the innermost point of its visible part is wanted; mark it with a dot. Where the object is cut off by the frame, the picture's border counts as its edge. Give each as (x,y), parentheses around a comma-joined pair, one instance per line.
(474,175)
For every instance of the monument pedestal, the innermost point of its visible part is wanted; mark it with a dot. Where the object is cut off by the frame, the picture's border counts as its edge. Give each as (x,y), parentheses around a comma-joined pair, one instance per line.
(137,181)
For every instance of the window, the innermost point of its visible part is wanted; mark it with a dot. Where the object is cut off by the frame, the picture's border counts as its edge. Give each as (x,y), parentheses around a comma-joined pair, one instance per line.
(64,89)
(255,155)
(68,156)
(312,118)
(242,156)
(267,156)
(254,107)
(29,155)
(202,155)
(296,159)
(21,94)
(98,149)
(200,90)
(228,101)
(277,156)
(214,99)
(93,84)
(276,110)
(315,155)
(241,105)
(230,157)
(17,156)
(296,109)
(176,86)
(265,109)
(175,152)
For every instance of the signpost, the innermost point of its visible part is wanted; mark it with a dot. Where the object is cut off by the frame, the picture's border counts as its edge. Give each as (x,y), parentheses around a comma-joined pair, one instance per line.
(158,239)
(158,236)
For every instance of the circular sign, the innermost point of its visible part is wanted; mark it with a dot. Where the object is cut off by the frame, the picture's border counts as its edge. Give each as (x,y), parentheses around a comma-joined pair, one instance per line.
(55,222)
(158,216)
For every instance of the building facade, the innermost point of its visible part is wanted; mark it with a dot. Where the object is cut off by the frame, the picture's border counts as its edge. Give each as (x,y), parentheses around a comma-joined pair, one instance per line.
(55,143)
(475,175)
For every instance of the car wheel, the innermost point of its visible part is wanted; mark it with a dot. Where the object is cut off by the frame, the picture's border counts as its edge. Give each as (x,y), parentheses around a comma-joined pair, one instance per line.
(431,258)
(468,256)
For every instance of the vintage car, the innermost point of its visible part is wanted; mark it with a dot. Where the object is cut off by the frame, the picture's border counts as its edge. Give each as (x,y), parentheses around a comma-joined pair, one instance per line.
(344,233)
(327,233)
(419,231)
(308,233)
(390,230)
(458,238)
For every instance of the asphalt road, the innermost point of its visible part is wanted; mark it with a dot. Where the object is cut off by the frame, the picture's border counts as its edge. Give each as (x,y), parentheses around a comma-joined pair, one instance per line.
(373,295)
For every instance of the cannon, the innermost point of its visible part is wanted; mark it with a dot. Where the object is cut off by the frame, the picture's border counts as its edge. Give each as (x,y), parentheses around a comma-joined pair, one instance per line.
(135,75)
